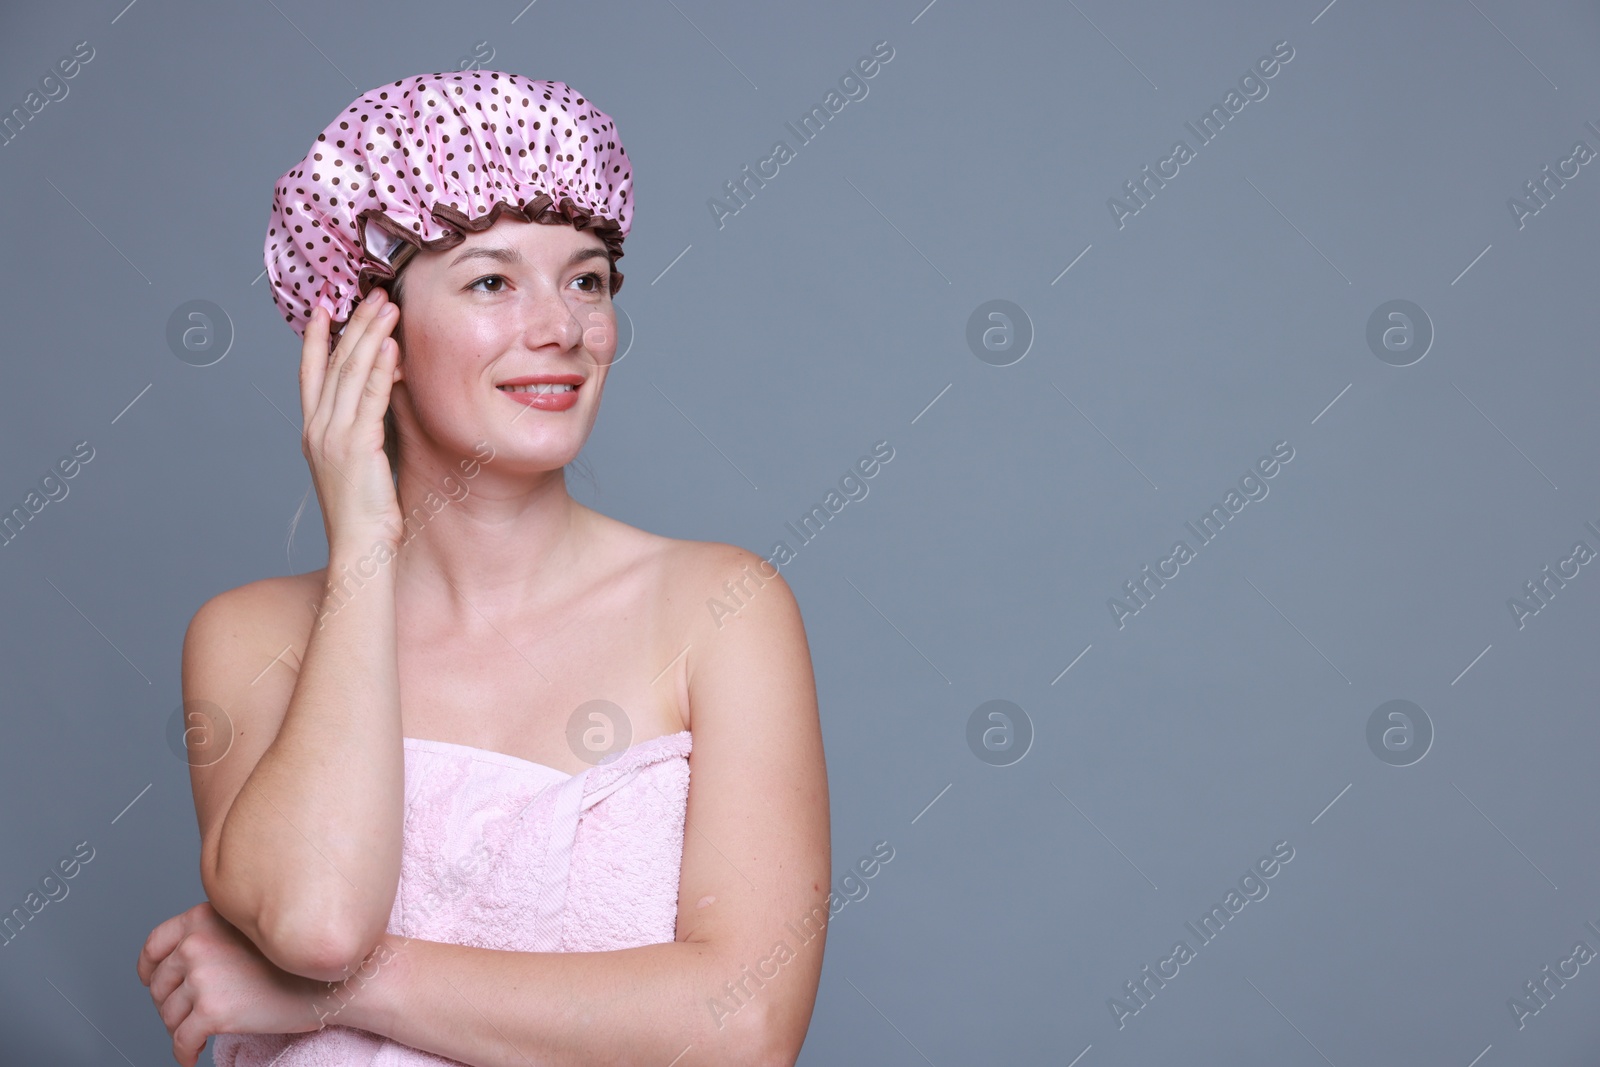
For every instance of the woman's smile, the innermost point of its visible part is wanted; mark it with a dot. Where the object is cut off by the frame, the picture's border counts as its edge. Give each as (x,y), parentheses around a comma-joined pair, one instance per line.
(546,392)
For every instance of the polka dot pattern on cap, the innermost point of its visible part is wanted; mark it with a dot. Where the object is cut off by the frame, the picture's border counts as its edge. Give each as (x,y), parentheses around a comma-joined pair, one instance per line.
(419,163)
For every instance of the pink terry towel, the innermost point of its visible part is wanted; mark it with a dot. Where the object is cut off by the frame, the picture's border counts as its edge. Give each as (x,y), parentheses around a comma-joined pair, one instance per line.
(503,853)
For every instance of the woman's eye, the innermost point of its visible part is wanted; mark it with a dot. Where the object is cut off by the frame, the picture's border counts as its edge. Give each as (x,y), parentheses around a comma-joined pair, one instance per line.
(592,283)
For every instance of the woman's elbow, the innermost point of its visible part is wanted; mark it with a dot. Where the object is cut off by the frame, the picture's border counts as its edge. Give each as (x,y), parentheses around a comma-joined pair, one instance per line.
(324,951)
(769,1041)
(299,947)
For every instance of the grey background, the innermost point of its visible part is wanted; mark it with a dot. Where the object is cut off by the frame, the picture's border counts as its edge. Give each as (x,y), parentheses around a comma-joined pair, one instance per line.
(831,312)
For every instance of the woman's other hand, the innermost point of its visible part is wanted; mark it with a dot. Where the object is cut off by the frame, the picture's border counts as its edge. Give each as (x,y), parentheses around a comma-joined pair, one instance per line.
(207,978)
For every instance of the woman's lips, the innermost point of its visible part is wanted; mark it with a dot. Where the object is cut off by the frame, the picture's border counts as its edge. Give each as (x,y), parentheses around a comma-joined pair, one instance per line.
(555,401)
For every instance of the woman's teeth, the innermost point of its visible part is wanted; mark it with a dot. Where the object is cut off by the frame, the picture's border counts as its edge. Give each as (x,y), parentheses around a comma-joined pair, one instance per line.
(541,388)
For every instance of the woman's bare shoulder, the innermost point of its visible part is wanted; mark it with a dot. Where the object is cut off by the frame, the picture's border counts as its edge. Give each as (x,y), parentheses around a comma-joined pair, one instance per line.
(679,559)
(714,583)
(690,567)
(702,581)
(280,608)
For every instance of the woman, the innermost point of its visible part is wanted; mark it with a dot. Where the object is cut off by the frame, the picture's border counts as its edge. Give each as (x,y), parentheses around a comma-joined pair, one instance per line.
(457,818)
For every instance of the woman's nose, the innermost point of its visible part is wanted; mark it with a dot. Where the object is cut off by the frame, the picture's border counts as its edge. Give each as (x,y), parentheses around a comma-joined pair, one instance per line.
(547,318)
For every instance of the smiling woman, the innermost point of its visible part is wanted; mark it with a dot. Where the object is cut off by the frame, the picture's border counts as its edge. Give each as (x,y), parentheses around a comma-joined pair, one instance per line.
(455,307)
(557,392)
(470,801)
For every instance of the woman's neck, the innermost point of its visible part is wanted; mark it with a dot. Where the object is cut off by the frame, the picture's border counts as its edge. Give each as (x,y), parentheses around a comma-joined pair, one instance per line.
(490,546)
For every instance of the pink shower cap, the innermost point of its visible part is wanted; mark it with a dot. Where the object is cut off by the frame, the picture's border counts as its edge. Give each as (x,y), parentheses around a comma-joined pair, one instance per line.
(420,162)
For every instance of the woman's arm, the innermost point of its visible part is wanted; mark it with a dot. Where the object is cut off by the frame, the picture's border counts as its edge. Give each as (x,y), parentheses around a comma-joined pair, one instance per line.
(300,821)
(301,824)
(739,983)
(654,1004)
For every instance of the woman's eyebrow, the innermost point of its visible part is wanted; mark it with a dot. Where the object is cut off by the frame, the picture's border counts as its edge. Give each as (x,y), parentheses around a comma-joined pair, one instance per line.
(511,255)
(500,255)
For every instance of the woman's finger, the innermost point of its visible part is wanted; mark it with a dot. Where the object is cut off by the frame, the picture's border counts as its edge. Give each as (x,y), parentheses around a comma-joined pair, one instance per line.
(167,977)
(189,1040)
(175,1007)
(160,943)
(356,371)
(375,397)
(349,340)
(313,363)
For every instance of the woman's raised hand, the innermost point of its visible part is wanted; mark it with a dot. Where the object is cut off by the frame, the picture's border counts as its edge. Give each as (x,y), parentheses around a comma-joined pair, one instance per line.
(343,395)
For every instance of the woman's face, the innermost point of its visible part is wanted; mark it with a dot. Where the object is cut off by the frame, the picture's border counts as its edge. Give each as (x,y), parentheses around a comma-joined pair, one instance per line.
(518,301)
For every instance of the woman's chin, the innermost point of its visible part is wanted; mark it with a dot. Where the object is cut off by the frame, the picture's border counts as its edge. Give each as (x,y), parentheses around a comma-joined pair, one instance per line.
(535,458)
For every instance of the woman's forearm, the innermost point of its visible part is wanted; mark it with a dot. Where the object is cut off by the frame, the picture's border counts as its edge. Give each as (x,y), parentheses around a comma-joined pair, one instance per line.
(308,857)
(678,1003)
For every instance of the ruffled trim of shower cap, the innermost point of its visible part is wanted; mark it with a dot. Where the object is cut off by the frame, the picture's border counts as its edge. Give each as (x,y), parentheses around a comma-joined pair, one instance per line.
(381,268)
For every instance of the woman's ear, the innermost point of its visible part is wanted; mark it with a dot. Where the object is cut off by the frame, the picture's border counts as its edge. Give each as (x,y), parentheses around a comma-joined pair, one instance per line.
(399,358)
